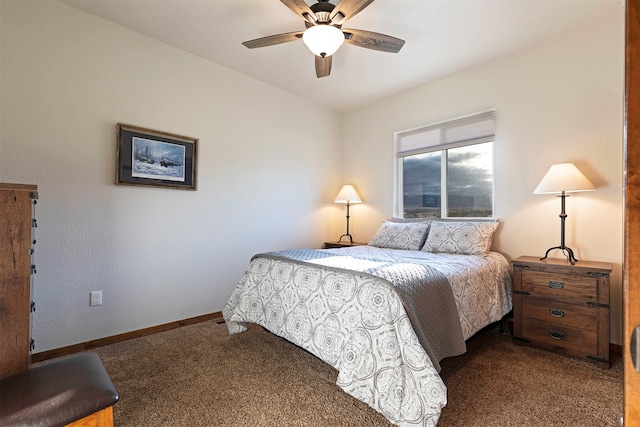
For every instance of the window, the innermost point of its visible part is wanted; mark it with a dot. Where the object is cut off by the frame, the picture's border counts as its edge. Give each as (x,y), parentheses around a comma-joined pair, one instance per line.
(446,170)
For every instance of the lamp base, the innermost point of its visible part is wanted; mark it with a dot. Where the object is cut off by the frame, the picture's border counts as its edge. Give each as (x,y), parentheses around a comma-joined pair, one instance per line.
(346,235)
(566,250)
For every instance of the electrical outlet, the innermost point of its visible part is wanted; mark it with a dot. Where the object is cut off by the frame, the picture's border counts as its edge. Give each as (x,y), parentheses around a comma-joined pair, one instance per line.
(95,298)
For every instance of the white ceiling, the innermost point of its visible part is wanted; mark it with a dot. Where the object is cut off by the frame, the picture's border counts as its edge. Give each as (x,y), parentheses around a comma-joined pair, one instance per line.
(442,37)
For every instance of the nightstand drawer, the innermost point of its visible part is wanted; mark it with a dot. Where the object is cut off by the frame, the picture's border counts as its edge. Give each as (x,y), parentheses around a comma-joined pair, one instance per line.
(567,287)
(560,313)
(579,340)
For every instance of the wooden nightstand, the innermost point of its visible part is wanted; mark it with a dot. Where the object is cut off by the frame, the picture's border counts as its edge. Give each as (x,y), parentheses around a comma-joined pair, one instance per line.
(562,307)
(333,245)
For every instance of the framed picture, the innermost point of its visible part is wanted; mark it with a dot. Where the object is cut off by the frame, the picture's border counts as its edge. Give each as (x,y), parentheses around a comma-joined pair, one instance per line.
(152,158)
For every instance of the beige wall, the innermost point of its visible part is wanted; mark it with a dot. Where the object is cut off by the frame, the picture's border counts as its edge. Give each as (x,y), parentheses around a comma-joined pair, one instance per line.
(558,102)
(264,181)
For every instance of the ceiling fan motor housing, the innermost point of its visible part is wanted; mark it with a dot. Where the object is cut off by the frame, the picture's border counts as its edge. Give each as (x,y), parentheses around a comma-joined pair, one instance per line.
(322,6)
(323,10)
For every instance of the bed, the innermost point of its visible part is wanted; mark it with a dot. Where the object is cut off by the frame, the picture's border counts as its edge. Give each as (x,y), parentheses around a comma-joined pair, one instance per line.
(383,315)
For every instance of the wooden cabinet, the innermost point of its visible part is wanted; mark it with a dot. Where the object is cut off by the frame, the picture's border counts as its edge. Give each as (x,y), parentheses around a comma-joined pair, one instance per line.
(563,307)
(333,245)
(16,223)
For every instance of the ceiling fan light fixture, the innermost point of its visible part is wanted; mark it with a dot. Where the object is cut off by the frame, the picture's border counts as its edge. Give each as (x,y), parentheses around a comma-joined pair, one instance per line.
(323,39)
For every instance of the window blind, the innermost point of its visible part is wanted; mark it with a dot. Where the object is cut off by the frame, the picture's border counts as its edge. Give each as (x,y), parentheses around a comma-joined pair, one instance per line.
(453,133)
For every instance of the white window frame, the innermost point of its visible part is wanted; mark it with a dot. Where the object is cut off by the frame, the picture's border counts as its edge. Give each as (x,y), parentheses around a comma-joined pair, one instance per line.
(480,129)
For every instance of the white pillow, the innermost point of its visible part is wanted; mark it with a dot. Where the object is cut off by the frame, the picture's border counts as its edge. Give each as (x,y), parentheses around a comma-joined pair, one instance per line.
(460,237)
(396,235)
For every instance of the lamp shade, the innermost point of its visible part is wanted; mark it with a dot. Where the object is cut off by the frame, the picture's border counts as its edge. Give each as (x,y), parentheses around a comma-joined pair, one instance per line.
(348,195)
(323,40)
(563,177)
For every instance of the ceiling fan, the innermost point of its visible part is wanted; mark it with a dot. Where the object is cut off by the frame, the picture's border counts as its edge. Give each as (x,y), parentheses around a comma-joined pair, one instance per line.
(324,33)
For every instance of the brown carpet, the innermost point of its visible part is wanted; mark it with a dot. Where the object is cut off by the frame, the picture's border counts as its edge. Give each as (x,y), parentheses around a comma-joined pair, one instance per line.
(198,375)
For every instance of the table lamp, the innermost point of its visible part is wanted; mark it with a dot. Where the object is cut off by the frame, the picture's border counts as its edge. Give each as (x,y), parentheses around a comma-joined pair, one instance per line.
(347,195)
(563,178)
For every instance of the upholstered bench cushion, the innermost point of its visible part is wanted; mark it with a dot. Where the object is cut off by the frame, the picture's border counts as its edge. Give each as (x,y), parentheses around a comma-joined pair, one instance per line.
(56,393)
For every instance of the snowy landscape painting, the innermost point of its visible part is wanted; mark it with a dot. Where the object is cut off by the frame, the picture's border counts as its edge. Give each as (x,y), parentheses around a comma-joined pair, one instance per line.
(160,160)
(147,157)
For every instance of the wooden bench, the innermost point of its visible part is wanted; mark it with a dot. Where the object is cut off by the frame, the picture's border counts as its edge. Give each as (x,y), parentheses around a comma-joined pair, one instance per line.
(73,391)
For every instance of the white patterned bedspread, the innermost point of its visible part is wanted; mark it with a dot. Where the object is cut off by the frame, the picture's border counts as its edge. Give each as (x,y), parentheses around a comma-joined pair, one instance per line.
(358,324)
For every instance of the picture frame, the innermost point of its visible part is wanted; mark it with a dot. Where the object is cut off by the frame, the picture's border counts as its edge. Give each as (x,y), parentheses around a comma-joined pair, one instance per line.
(151,158)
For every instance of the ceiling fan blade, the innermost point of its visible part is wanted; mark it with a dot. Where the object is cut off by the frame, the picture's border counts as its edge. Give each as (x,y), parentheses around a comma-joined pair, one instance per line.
(275,39)
(348,9)
(323,66)
(371,40)
(300,8)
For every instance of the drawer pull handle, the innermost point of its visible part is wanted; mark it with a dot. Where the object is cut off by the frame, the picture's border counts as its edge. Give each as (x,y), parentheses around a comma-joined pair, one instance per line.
(556,335)
(556,313)
(556,285)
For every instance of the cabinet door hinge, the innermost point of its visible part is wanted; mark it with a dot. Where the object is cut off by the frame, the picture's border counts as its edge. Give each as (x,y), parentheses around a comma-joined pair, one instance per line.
(32,344)
(33,269)
(33,306)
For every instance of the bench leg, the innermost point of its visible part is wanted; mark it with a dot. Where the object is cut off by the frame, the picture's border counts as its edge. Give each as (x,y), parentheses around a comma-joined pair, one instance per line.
(102,418)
